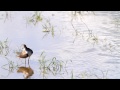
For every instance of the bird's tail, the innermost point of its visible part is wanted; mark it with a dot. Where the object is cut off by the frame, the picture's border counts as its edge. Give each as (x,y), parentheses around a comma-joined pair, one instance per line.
(18,54)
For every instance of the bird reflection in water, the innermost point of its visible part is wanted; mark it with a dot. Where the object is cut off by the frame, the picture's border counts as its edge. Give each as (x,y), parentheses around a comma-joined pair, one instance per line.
(27,71)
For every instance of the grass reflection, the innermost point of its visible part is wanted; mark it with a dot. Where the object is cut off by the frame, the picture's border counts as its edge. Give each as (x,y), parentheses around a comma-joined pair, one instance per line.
(49,65)
(11,66)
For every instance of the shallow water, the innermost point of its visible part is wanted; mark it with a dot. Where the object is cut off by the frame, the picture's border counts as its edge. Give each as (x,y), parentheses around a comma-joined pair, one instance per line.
(86,44)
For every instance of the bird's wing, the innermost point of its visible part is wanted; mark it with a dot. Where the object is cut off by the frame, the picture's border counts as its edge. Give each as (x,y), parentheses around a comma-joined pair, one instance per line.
(18,53)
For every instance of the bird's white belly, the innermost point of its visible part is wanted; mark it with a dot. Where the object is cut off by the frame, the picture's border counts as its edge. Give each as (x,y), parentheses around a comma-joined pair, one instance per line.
(24,52)
(27,52)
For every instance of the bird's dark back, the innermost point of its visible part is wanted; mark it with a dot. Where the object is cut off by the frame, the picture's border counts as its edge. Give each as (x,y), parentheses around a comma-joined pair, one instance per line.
(30,50)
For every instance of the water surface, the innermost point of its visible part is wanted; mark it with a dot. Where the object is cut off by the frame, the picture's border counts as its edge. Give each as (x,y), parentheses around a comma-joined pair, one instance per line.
(87,44)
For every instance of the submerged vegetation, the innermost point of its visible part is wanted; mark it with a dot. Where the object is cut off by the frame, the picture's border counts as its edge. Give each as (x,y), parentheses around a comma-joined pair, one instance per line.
(89,36)
(11,66)
(5,16)
(47,28)
(35,18)
(88,75)
(49,65)
(4,47)
(46,25)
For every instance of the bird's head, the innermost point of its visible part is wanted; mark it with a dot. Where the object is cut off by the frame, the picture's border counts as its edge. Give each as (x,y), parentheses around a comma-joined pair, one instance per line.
(24,46)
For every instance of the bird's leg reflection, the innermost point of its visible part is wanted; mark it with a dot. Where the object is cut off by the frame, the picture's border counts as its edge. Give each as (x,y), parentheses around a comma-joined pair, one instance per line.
(25,62)
(28,64)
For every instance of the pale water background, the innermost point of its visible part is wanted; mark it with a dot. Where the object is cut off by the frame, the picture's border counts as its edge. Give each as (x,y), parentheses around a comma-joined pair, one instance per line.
(88,42)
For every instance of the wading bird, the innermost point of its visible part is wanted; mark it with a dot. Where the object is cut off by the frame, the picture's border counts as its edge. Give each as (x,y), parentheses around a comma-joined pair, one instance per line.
(26,53)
